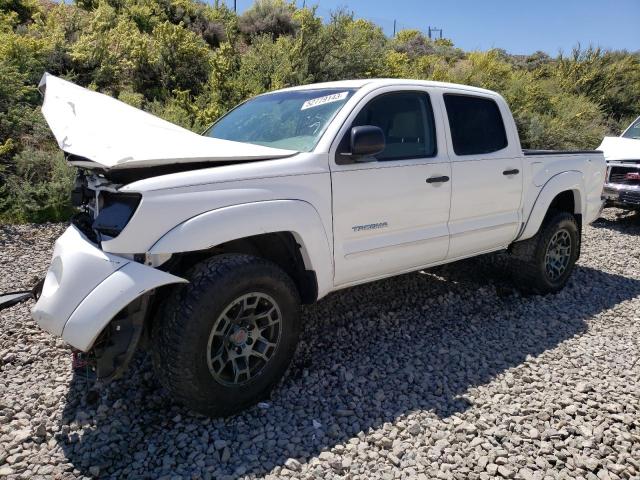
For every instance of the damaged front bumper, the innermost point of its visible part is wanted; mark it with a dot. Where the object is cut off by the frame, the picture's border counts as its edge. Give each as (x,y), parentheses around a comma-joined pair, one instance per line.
(618,195)
(85,288)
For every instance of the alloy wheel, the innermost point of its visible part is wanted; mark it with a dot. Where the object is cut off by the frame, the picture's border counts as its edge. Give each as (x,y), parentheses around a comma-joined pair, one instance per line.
(558,254)
(244,338)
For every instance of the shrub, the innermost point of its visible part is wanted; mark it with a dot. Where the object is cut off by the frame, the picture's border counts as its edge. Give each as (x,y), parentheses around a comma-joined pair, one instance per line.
(190,62)
(270,17)
(39,190)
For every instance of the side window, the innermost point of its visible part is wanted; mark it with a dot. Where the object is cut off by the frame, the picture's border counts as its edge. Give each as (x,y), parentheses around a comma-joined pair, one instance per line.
(475,123)
(406,118)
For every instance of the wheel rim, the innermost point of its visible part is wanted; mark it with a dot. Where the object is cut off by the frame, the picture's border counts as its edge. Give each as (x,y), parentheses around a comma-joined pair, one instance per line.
(244,338)
(558,254)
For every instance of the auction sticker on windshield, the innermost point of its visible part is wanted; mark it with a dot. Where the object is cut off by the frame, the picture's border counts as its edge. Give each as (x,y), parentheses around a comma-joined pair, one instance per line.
(316,102)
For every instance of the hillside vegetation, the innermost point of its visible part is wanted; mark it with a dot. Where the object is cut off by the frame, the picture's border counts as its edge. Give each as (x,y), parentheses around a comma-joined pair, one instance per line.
(189,62)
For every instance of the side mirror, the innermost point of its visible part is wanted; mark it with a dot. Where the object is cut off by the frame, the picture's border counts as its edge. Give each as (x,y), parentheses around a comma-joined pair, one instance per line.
(366,141)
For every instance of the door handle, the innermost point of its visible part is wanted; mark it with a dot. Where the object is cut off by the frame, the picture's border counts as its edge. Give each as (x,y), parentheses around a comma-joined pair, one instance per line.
(442,179)
(513,171)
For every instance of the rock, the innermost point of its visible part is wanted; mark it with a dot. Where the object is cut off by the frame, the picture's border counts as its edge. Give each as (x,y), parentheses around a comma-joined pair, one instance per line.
(506,472)
(21,436)
(571,410)
(414,429)
(293,464)
(326,456)
(526,474)
(450,378)
(226,455)
(335,463)
(584,387)
(469,428)
(591,463)
(344,413)
(41,430)
(394,459)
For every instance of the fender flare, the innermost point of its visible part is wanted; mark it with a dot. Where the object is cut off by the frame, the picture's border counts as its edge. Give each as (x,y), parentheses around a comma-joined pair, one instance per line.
(225,224)
(571,180)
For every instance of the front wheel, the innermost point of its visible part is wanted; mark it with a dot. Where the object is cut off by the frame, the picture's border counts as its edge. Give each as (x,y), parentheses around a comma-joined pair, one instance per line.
(223,341)
(543,263)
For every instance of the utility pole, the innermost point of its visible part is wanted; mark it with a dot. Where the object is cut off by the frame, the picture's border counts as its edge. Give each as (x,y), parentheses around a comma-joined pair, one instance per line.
(394,27)
(235,6)
(434,30)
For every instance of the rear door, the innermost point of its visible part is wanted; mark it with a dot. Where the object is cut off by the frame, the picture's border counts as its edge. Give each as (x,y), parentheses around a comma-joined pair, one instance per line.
(486,167)
(390,213)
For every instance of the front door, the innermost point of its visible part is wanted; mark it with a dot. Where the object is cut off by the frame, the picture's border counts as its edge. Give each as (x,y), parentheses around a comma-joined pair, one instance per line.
(390,212)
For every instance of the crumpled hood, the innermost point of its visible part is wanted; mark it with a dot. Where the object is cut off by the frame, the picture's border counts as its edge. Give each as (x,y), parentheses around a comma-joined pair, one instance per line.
(115,135)
(620,148)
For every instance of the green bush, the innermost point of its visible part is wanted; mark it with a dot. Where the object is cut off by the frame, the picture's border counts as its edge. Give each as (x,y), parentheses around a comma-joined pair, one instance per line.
(190,62)
(39,190)
(268,17)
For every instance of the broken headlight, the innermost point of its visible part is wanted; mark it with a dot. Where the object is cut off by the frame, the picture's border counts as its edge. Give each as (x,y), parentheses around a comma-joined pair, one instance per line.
(81,194)
(116,209)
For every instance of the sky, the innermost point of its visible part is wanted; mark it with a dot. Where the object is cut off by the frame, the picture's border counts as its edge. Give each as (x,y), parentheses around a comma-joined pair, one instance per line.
(520,27)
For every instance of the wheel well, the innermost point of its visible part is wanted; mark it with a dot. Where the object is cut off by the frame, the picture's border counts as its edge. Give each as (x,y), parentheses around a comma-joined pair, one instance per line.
(281,248)
(566,202)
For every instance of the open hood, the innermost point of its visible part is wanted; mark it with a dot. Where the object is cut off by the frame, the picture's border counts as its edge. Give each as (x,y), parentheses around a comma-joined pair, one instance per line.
(620,148)
(114,135)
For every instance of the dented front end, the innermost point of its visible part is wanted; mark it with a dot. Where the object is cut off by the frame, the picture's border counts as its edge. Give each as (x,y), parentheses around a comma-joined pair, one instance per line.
(86,290)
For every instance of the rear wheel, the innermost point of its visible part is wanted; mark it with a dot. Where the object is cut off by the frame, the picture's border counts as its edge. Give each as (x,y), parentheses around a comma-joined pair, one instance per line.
(543,263)
(223,341)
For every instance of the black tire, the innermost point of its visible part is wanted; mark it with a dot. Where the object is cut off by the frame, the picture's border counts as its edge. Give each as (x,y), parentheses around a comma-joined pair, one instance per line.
(529,264)
(183,332)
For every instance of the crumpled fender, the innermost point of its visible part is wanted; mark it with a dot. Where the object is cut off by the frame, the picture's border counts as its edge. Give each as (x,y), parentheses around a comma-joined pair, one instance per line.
(571,180)
(103,303)
(86,287)
(230,223)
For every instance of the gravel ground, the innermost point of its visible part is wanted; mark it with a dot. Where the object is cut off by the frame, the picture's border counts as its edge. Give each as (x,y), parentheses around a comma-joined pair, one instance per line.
(445,374)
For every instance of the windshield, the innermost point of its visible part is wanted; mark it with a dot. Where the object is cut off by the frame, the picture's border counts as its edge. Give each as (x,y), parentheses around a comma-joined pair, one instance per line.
(293,120)
(633,131)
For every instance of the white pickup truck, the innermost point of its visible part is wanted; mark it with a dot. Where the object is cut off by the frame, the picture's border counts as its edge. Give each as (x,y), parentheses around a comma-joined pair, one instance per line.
(622,181)
(202,247)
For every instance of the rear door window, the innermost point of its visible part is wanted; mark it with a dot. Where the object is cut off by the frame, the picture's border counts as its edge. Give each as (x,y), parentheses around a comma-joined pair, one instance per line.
(476,124)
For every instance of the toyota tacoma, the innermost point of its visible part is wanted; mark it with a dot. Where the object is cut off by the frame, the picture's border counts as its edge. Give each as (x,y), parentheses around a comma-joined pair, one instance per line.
(201,248)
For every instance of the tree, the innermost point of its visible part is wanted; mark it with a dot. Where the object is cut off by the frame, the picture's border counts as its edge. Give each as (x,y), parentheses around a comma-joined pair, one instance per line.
(180,57)
(268,17)
(354,48)
(190,62)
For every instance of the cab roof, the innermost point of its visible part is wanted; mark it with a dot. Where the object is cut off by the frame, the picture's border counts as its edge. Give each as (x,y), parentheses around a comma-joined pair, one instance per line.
(372,83)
